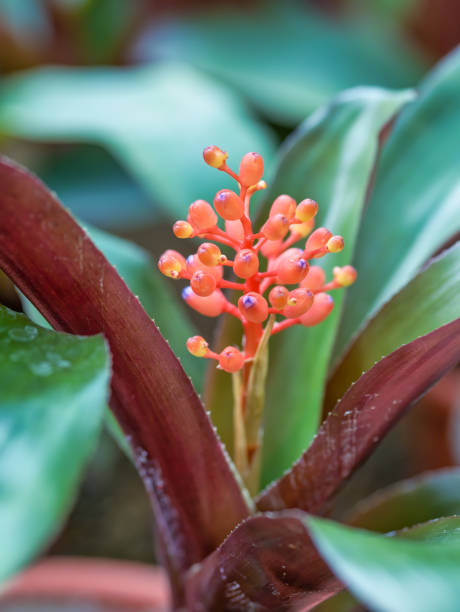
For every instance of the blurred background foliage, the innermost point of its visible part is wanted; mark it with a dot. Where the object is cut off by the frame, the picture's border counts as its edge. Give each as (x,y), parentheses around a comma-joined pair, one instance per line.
(111,103)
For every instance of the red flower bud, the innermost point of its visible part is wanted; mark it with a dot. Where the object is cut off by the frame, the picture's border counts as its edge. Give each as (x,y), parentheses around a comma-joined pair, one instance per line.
(283,205)
(202,215)
(171,264)
(193,264)
(345,276)
(214,156)
(335,244)
(228,205)
(231,359)
(318,239)
(235,230)
(275,227)
(210,255)
(253,307)
(303,229)
(299,301)
(251,169)
(246,263)
(306,210)
(203,283)
(278,297)
(197,346)
(315,279)
(322,306)
(211,306)
(292,267)
(271,248)
(182,229)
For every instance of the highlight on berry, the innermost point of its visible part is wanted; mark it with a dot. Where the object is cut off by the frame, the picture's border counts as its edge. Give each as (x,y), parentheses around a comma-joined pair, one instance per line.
(271,268)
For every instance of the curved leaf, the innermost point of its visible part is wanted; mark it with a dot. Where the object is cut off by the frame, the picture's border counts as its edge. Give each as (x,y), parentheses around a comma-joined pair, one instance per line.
(360,420)
(195,495)
(414,206)
(267,563)
(409,502)
(430,300)
(53,390)
(310,58)
(414,572)
(156,120)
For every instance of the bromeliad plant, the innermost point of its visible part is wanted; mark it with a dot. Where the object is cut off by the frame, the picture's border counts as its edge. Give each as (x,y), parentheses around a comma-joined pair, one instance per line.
(265,294)
(374,161)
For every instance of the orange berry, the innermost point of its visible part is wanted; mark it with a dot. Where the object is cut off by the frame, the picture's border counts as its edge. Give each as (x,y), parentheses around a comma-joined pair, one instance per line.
(214,156)
(246,263)
(209,254)
(345,276)
(306,210)
(315,279)
(203,283)
(303,229)
(283,205)
(182,229)
(335,244)
(202,215)
(231,359)
(299,301)
(229,205)
(322,306)
(171,264)
(253,307)
(278,297)
(292,267)
(275,227)
(197,346)
(194,264)
(235,229)
(251,169)
(211,306)
(318,239)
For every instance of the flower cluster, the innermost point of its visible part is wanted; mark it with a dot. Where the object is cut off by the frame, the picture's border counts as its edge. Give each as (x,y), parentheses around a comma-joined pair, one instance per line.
(266,292)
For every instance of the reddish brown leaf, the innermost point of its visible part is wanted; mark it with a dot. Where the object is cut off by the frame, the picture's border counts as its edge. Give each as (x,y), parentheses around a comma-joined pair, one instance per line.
(360,420)
(267,563)
(196,498)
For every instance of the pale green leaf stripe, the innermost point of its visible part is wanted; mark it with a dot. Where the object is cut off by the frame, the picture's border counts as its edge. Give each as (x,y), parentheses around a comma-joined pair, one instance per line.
(156,120)
(429,301)
(330,159)
(414,572)
(53,392)
(415,205)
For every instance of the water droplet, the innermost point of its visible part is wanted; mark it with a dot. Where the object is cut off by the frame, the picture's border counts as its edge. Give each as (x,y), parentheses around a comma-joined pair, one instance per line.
(23,334)
(18,356)
(42,368)
(57,360)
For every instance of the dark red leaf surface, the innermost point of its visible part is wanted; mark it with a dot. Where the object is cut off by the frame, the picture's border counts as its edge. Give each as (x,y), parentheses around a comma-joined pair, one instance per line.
(360,420)
(267,563)
(196,498)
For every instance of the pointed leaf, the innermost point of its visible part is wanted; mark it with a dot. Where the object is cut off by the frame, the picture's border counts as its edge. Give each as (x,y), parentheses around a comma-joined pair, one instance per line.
(414,206)
(414,572)
(409,502)
(360,420)
(53,390)
(196,498)
(430,300)
(267,563)
(156,120)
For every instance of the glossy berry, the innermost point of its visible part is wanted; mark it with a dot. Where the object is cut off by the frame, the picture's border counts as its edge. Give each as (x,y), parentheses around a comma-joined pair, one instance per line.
(182,229)
(203,283)
(283,205)
(214,157)
(202,215)
(246,263)
(322,306)
(298,302)
(315,279)
(210,255)
(172,264)
(253,307)
(197,346)
(275,227)
(210,306)
(278,297)
(345,276)
(251,169)
(229,205)
(231,359)
(306,210)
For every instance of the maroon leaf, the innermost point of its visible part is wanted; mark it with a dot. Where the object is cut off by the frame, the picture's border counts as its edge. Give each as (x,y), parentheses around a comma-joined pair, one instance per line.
(196,499)
(360,420)
(267,563)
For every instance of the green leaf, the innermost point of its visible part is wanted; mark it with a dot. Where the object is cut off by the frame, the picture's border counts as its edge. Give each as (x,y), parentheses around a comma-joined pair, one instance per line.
(415,572)
(155,120)
(138,270)
(53,390)
(310,58)
(430,300)
(330,159)
(414,206)
(409,502)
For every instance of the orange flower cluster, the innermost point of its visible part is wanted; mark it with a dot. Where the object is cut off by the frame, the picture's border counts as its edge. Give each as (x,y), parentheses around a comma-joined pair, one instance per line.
(264,293)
